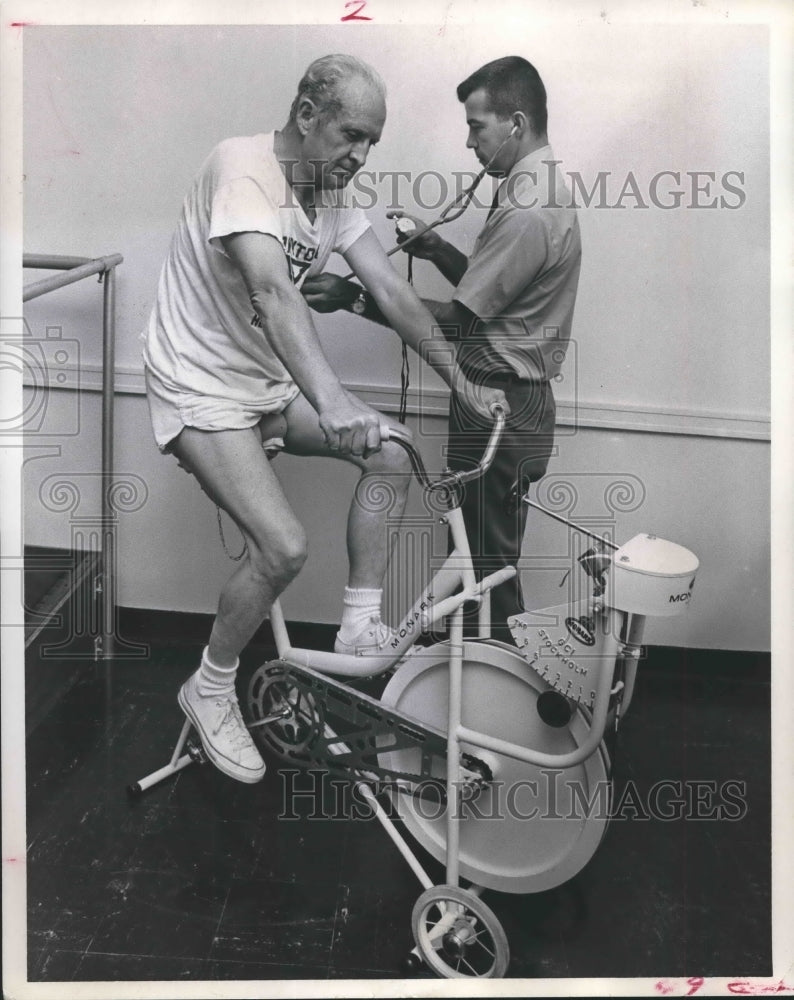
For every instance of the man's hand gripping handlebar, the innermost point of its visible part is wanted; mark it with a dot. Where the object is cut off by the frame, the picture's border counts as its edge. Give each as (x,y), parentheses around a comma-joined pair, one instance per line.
(450,480)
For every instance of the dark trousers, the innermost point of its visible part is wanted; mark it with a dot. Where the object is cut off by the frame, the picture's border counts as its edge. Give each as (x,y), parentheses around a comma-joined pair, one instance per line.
(494,515)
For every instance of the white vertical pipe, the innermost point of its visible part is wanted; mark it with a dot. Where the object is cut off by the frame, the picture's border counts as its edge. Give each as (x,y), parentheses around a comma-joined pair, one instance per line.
(108,594)
(453,749)
(279,628)
(180,742)
(484,619)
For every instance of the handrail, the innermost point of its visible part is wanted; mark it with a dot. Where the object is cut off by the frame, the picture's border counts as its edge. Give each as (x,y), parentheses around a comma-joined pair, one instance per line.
(75,269)
(73,273)
(53,261)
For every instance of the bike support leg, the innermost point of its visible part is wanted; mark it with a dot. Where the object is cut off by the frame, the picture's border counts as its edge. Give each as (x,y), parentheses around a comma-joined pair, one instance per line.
(177,762)
(180,760)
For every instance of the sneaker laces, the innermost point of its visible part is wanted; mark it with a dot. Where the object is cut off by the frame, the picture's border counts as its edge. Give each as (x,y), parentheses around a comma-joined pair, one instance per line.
(381,632)
(232,721)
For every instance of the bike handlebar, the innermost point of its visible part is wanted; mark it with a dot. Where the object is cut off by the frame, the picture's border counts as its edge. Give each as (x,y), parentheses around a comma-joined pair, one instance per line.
(452,479)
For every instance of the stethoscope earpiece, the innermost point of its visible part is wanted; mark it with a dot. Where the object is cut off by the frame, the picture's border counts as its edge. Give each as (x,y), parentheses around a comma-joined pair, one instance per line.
(453,210)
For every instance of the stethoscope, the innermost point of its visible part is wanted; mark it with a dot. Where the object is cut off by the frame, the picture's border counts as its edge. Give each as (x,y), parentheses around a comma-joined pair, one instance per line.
(453,210)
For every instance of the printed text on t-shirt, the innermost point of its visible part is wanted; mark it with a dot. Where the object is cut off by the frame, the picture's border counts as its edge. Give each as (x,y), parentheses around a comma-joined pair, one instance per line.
(299,256)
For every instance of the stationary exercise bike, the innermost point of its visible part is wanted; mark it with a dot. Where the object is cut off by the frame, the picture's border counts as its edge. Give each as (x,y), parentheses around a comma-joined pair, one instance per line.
(471,740)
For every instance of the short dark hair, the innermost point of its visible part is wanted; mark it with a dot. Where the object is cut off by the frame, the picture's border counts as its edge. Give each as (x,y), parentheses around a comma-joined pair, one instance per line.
(512,84)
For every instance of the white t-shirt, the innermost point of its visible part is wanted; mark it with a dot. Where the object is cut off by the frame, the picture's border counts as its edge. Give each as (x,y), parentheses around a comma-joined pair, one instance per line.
(203,337)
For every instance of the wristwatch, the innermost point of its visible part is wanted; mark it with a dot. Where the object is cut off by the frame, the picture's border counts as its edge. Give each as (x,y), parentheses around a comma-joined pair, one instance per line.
(359,304)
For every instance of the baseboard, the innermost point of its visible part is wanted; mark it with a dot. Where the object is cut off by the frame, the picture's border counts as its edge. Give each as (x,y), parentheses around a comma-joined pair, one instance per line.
(188,628)
(56,659)
(182,628)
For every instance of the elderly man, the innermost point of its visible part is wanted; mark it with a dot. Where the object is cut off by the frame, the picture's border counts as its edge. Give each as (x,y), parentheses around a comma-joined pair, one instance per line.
(511,312)
(235,371)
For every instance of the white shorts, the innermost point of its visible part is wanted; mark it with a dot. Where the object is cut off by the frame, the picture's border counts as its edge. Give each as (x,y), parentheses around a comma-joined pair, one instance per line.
(172,410)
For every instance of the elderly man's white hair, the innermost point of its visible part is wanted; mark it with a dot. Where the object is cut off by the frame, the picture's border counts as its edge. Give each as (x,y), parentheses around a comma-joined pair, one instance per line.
(320,82)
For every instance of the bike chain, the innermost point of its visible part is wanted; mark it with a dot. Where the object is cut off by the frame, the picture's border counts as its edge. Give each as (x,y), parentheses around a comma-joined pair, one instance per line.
(376,729)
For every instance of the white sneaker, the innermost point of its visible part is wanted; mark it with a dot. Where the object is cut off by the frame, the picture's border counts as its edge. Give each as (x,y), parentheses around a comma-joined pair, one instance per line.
(375,638)
(223,733)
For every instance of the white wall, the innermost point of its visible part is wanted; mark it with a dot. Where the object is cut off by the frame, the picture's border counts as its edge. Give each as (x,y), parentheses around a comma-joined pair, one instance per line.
(668,377)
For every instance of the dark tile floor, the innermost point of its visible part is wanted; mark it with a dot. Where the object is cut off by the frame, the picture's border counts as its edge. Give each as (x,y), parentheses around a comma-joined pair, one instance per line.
(200,879)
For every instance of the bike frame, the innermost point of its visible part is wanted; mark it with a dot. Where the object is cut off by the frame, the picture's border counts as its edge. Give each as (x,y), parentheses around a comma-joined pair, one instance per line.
(444,597)
(450,588)
(619,630)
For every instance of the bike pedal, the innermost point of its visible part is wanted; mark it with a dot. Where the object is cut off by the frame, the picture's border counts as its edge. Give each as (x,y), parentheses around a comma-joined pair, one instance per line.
(196,752)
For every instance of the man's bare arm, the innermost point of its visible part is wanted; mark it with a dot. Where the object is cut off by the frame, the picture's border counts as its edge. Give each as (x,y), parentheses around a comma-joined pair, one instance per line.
(327,293)
(449,261)
(454,319)
(348,424)
(417,325)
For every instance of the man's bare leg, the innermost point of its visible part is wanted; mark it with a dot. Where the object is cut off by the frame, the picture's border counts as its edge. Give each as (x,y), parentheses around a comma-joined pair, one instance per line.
(235,473)
(377,505)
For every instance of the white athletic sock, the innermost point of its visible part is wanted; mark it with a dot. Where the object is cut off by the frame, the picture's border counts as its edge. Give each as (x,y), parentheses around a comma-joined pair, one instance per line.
(360,605)
(212,679)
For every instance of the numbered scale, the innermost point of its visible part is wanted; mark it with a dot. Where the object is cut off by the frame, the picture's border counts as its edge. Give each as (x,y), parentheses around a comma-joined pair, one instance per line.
(567,645)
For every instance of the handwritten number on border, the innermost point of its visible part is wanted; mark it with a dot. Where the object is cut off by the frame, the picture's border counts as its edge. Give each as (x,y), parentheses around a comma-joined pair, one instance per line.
(356,15)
